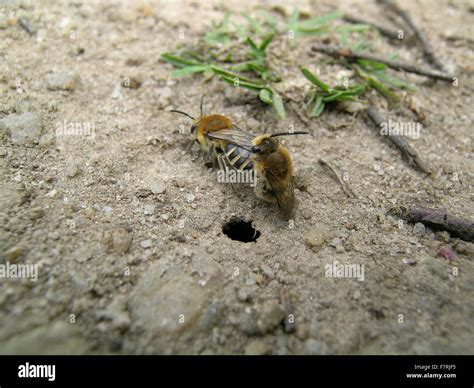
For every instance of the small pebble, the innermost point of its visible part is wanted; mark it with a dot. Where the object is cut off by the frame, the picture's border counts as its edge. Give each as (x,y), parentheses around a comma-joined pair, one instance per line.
(146,244)
(267,271)
(132,82)
(121,240)
(159,187)
(315,239)
(244,294)
(116,92)
(23,128)
(64,80)
(149,209)
(336,243)
(419,229)
(256,347)
(73,169)
(447,252)
(106,209)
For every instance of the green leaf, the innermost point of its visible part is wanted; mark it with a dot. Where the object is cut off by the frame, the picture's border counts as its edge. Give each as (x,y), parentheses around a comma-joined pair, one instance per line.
(396,82)
(333,97)
(266,96)
(353,28)
(251,43)
(225,20)
(237,82)
(376,84)
(300,32)
(369,65)
(220,71)
(266,42)
(188,70)
(314,80)
(295,15)
(278,104)
(317,107)
(242,66)
(177,61)
(292,25)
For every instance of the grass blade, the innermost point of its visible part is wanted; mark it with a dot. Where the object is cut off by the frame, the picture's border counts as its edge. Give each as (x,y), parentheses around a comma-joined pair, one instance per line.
(177,61)
(237,82)
(314,80)
(278,104)
(189,70)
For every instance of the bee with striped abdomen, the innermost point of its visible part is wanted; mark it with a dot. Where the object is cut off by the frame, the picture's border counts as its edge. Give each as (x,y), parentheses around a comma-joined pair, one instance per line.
(222,152)
(272,162)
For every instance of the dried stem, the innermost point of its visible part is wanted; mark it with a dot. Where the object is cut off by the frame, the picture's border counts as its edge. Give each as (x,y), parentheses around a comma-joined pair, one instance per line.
(439,219)
(420,35)
(388,32)
(347,191)
(348,54)
(399,142)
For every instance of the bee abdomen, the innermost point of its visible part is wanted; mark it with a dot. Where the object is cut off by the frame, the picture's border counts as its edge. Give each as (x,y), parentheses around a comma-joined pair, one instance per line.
(238,157)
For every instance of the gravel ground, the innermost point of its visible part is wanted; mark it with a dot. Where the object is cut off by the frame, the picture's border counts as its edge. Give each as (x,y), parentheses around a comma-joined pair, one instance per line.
(125,226)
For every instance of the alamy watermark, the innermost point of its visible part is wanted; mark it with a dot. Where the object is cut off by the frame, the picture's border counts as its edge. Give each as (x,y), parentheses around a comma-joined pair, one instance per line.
(37,371)
(337,270)
(228,175)
(408,129)
(10,270)
(71,128)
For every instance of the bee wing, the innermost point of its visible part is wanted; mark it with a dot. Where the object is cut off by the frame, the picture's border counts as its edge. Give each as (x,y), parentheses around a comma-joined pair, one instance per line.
(233,136)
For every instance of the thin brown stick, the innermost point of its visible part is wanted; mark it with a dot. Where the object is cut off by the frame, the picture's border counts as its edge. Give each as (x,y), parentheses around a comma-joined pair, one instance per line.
(347,191)
(348,54)
(420,35)
(389,33)
(399,142)
(439,219)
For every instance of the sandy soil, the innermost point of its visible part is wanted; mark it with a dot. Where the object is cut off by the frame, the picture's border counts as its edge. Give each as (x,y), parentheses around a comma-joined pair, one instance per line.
(125,225)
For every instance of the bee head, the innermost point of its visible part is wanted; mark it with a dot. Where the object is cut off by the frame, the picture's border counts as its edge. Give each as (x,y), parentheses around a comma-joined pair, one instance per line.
(195,125)
(264,145)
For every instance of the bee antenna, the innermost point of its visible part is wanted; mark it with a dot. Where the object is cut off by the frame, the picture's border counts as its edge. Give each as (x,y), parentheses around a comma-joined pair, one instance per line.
(183,113)
(289,133)
(202,100)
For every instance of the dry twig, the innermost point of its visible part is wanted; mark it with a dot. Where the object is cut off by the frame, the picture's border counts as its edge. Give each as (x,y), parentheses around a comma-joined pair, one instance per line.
(420,35)
(351,55)
(399,141)
(439,219)
(388,32)
(346,190)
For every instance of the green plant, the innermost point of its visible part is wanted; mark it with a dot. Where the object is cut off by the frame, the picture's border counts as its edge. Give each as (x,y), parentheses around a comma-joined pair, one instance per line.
(323,94)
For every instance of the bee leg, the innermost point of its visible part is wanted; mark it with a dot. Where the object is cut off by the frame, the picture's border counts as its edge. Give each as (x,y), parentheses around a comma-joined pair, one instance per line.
(265,193)
(220,162)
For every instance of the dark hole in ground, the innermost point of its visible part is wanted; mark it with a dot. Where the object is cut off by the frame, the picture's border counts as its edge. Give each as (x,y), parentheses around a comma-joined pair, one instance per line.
(240,230)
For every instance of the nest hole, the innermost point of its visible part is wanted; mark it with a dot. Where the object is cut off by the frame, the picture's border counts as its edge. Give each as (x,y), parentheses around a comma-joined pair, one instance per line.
(240,230)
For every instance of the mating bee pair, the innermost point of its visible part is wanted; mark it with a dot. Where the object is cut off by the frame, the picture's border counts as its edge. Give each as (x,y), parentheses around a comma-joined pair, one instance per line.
(231,147)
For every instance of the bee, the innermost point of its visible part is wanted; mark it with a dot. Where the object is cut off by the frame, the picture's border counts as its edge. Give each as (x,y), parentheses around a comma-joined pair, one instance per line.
(272,163)
(221,152)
